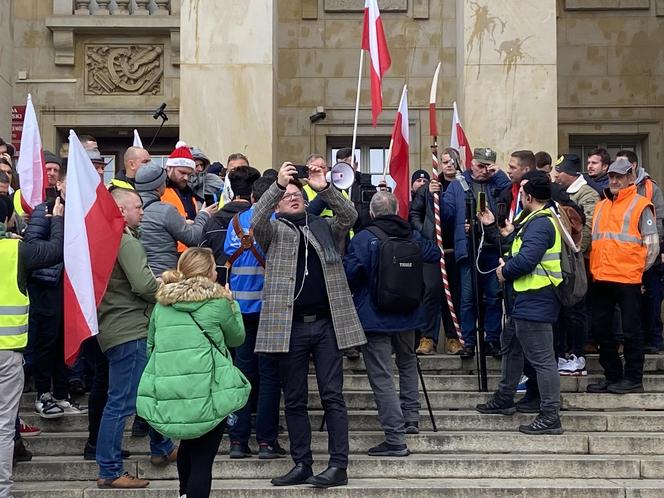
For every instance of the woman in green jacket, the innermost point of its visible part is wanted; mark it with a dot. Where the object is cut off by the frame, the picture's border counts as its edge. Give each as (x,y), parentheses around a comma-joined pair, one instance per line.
(190,385)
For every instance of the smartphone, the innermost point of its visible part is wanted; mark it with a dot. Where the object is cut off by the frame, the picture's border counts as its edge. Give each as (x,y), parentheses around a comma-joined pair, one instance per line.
(481,202)
(502,214)
(211,199)
(302,171)
(222,274)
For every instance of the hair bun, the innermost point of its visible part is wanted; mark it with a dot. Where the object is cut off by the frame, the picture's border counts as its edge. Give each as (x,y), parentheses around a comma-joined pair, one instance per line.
(172,276)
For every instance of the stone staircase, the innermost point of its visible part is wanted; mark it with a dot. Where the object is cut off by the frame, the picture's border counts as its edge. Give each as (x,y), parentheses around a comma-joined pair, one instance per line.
(613,447)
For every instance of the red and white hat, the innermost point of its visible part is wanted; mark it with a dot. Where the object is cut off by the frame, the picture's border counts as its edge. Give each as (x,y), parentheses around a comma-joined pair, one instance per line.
(181,157)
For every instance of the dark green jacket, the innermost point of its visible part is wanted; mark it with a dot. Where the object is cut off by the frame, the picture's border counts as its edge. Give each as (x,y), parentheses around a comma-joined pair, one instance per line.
(124,311)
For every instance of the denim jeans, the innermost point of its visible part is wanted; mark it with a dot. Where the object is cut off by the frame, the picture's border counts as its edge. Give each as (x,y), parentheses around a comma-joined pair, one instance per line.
(126,363)
(11,387)
(488,289)
(264,374)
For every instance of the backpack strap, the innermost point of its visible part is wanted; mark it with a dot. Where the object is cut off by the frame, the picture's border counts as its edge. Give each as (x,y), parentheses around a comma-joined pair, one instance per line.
(378,232)
(246,243)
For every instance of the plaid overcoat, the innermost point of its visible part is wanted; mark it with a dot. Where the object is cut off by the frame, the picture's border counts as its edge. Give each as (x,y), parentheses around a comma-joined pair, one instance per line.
(281,240)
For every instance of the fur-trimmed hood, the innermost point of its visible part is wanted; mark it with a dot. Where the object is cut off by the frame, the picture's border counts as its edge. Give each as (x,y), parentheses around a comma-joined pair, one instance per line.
(194,290)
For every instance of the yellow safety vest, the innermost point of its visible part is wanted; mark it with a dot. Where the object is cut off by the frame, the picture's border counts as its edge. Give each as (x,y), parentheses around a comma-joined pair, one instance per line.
(119,184)
(14,304)
(327,212)
(549,270)
(18,207)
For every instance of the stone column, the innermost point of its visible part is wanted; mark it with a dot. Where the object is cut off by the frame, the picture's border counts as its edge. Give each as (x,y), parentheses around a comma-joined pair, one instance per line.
(6,69)
(227,78)
(507,74)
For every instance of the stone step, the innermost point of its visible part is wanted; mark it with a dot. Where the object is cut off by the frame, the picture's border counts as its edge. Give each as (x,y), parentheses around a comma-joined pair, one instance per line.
(446,420)
(480,465)
(71,444)
(368,488)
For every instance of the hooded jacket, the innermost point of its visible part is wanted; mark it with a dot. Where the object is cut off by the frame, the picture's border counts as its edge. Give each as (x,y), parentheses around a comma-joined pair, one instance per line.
(361,266)
(190,384)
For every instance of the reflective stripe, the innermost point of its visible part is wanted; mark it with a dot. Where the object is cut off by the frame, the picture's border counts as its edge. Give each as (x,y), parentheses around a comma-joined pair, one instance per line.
(248,295)
(622,237)
(551,257)
(628,214)
(247,270)
(21,329)
(14,310)
(542,273)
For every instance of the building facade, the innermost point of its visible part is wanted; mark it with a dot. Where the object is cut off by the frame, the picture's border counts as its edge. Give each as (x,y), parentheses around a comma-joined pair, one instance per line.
(256,76)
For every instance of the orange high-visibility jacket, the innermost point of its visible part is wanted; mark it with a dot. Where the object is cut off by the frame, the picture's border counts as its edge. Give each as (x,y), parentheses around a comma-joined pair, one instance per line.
(171,197)
(617,252)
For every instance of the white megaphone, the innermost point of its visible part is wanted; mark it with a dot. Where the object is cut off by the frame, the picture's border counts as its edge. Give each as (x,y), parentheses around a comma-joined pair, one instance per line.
(342,176)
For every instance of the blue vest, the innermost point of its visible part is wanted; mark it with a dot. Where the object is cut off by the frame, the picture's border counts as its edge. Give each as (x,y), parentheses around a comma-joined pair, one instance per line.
(246,276)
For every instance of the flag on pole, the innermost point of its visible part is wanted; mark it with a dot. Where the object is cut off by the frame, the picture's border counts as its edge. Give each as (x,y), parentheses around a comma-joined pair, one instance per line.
(398,158)
(433,126)
(30,167)
(373,40)
(137,139)
(458,138)
(93,229)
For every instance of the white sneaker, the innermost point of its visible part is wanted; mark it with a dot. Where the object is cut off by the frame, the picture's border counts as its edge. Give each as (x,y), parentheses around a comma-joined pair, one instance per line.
(47,407)
(575,366)
(562,364)
(70,407)
(580,364)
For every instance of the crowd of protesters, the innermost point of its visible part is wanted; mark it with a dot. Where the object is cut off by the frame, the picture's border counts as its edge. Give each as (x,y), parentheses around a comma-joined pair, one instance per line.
(224,289)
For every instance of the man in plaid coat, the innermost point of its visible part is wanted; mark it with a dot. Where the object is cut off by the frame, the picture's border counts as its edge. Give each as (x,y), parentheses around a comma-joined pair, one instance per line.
(307,311)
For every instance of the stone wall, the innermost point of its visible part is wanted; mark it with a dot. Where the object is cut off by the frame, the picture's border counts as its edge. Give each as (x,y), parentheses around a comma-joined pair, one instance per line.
(611,73)
(6,68)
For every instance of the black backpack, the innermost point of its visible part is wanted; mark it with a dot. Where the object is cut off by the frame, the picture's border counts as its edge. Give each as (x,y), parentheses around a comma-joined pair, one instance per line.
(398,284)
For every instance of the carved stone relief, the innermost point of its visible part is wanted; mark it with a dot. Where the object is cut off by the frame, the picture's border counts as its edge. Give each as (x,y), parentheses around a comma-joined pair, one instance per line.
(124,69)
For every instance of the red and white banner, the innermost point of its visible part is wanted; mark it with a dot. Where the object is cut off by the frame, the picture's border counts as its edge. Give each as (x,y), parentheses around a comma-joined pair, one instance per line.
(433,125)
(458,139)
(399,163)
(93,229)
(30,166)
(373,40)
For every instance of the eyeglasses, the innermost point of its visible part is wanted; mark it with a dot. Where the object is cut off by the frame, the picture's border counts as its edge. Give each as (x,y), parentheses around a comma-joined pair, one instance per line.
(292,197)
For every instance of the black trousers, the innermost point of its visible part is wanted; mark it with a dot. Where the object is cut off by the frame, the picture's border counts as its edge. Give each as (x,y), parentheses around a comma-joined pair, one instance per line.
(51,372)
(606,295)
(195,458)
(315,339)
(99,388)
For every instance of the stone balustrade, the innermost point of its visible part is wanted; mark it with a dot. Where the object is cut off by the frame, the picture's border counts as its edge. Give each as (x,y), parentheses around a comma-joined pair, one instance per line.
(122,7)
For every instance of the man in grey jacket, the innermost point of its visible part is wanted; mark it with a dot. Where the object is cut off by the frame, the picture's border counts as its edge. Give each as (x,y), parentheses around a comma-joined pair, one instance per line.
(162,226)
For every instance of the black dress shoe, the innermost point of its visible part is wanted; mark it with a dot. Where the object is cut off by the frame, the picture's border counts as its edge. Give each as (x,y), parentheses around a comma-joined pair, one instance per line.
(625,386)
(329,478)
(300,474)
(599,387)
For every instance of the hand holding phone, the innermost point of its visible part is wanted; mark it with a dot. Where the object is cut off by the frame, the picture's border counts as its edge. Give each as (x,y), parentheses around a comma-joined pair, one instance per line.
(302,171)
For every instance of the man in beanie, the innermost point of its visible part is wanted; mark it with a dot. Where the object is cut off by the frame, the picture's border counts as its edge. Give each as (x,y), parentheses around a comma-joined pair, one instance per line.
(624,245)
(242,179)
(163,227)
(419,179)
(180,167)
(530,275)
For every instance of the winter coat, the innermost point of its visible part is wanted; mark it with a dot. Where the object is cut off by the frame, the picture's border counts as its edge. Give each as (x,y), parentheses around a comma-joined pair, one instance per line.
(599,183)
(454,207)
(361,265)
(190,384)
(585,197)
(162,228)
(124,311)
(421,216)
(281,241)
(39,228)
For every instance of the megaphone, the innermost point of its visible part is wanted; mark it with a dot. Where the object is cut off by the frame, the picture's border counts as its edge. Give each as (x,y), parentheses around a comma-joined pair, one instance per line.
(342,176)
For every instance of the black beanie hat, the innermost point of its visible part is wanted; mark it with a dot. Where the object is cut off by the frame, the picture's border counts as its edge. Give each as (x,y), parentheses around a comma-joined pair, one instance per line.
(420,173)
(538,185)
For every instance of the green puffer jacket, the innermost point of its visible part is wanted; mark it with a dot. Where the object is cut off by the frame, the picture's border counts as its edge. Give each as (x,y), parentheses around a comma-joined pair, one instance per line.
(190,385)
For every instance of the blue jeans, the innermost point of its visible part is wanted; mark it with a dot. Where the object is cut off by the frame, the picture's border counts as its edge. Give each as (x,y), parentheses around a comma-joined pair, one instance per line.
(263,373)
(488,289)
(126,363)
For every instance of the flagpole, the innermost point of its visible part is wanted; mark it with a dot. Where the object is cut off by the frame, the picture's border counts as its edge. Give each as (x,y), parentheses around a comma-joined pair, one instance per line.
(357,104)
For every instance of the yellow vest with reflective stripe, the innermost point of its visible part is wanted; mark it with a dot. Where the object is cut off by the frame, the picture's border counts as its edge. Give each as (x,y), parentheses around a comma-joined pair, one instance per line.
(327,212)
(14,304)
(18,207)
(120,184)
(549,270)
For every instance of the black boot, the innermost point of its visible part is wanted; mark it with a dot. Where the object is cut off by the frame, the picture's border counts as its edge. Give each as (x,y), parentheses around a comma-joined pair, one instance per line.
(467,352)
(497,405)
(330,477)
(625,386)
(599,387)
(543,424)
(297,475)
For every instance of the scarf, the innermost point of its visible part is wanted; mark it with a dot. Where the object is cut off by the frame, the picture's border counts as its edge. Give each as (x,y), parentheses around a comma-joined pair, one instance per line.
(321,231)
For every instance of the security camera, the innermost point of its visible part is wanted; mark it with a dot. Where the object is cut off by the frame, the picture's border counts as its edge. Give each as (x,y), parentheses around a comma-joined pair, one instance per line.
(317,116)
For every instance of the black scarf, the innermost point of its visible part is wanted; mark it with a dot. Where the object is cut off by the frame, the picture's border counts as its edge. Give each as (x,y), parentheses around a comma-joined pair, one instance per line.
(321,230)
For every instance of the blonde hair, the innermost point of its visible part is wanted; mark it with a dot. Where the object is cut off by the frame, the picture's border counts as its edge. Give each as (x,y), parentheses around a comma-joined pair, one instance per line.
(194,262)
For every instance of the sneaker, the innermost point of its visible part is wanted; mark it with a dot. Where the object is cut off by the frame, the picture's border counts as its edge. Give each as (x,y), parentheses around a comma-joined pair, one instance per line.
(574,366)
(453,346)
(46,407)
(412,427)
(562,363)
(139,428)
(76,387)
(598,387)
(393,450)
(125,481)
(625,386)
(27,430)
(21,452)
(267,452)
(521,386)
(467,352)
(426,346)
(70,407)
(495,405)
(163,460)
(543,425)
(239,450)
(528,405)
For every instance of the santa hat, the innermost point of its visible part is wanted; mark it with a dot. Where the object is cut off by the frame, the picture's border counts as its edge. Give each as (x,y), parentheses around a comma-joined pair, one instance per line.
(181,157)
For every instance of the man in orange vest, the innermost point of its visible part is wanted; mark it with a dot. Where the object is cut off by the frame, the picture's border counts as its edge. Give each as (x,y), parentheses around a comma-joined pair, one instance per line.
(624,244)
(180,166)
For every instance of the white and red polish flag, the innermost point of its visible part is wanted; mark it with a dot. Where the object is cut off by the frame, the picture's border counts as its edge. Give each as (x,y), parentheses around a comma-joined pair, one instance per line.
(93,229)
(399,163)
(30,166)
(373,40)
(458,138)
(137,139)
